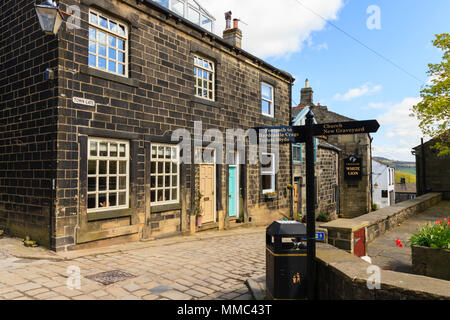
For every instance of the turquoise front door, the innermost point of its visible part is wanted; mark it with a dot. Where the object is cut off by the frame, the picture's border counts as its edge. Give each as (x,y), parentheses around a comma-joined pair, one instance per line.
(232,208)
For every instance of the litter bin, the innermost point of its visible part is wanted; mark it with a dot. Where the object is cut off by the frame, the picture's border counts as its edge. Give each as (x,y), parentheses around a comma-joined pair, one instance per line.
(286,260)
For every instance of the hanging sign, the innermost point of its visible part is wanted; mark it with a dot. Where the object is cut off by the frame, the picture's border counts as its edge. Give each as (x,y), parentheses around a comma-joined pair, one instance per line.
(353,168)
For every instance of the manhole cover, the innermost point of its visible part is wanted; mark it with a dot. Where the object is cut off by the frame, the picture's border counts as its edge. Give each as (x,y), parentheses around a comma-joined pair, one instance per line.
(110,277)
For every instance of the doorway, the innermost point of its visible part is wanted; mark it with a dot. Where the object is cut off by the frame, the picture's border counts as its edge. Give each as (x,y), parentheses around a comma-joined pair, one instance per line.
(233,189)
(207,190)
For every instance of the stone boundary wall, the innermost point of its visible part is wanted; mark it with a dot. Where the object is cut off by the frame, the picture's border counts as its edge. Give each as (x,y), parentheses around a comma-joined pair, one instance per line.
(341,232)
(341,275)
(385,219)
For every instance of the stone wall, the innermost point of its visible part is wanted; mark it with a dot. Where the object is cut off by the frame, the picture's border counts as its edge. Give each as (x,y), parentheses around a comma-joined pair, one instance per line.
(28,123)
(341,275)
(341,231)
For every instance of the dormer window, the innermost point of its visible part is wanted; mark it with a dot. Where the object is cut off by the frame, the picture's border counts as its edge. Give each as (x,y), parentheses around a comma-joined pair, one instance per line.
(191,10)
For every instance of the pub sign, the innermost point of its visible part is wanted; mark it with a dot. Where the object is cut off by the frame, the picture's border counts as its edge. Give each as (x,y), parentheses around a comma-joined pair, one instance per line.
(353,168)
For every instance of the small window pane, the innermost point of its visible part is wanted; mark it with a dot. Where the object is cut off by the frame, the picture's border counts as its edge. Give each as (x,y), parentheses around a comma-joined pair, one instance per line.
(266,182)
(112,41)
(120,68)
(112,26)
(122,183)
(167,195)
(112,53)
(93,147)
(91,201)
(122,150)
(153,168)
(92,167)
(193,15)
(92,33)
(113,150)
(266,92)
(178,7)
(160,196)
(160,167)
(103,149)
(113,199)
(102,200)
(122,198)
(102,50)
(174,194)
(93,18)
(153,196)
(92,47)
(123,167)
(92,60)
(153,182)
(112,167)
(102,184)
(161,152)
(121,44)
(121,56)
(122,30)
(265,107)
(92,184)
(174,181)
(103,22)
(102,167)
(102,63)
(101,37)
(112,183)
(111,66)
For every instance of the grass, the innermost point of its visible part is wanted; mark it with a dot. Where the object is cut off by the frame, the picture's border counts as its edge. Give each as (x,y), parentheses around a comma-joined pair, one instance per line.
(410,178)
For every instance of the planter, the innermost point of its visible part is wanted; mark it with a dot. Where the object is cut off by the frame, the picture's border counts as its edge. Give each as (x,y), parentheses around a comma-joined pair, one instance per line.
(199,220)
(431,262)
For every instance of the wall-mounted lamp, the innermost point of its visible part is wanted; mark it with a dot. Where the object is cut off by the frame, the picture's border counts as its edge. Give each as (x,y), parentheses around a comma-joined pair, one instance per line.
(49,17)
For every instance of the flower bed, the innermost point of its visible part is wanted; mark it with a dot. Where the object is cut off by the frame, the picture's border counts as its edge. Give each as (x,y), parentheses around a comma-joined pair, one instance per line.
(430,250)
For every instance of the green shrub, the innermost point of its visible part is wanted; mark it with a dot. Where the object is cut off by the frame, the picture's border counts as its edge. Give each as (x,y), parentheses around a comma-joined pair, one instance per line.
(374,207)
(433,235)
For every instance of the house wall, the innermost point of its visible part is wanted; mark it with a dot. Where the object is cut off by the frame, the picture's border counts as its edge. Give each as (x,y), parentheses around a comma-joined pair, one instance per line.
(437,171)
(326,173)
(28,123)
(156,99)
(380,177)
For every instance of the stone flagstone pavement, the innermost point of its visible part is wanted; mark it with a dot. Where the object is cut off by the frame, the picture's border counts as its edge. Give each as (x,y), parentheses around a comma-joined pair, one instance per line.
(212,265)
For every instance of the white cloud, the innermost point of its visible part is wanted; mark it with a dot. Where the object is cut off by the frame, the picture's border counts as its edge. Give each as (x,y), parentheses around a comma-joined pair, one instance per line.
(364,90)
(400,131)
(275,28)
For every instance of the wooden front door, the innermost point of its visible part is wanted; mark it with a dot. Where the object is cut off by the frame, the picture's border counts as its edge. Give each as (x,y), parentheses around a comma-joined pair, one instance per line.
(207,185)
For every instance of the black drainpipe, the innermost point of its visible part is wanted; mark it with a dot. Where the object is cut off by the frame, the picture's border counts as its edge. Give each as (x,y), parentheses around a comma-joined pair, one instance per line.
(291,207)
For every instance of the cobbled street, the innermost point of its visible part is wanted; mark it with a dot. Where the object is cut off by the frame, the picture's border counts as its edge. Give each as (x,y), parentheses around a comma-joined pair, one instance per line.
(214,265)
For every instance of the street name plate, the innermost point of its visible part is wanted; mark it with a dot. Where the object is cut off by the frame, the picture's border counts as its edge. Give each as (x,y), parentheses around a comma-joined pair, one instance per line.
(350,127)
(86,102)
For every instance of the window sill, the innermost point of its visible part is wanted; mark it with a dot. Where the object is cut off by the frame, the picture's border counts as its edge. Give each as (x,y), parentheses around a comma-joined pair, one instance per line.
(112,214)
(109,76)
(267,117)
(205,102)
(165,207)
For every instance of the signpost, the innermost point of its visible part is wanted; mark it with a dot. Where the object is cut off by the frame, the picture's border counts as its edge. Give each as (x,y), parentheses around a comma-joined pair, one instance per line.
(285,135)
(305,134)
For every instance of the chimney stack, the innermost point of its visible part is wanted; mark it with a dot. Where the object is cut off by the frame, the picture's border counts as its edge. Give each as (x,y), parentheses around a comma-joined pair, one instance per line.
(232,35)
(306,97)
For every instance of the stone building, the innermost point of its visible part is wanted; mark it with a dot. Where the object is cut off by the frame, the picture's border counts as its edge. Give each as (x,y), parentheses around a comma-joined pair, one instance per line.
(326,158)
(87,156)
(405,191)
(383,184)
(354,195)
(432,171)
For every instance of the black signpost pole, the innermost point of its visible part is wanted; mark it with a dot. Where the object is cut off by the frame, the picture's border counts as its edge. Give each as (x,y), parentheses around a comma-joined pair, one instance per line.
(310,208)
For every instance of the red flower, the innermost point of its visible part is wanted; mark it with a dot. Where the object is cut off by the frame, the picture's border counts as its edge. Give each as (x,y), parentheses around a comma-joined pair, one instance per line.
(439,222)
(399,243)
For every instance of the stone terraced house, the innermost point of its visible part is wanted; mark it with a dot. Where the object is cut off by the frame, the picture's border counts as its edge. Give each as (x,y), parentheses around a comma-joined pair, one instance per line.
(87,116)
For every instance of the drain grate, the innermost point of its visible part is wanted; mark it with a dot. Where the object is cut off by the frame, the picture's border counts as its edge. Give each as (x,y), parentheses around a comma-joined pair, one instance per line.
(110,277)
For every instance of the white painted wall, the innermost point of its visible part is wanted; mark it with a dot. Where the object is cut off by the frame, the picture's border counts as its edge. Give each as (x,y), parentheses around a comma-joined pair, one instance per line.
(384,177)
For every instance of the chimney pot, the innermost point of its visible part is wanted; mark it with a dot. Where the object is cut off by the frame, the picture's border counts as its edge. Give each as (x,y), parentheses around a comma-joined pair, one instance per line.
(306,95)
(232,36)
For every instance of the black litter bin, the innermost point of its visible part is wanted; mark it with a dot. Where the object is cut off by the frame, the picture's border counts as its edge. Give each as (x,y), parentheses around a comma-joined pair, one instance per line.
(286,260)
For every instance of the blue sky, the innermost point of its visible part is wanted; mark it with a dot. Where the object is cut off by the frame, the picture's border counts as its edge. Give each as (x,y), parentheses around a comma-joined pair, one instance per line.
(345,76)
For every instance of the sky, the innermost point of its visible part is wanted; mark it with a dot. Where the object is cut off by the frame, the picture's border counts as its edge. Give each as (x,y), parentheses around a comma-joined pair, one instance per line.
(332,43)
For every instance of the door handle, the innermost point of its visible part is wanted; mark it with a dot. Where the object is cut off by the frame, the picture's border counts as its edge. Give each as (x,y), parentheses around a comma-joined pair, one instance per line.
(206,199)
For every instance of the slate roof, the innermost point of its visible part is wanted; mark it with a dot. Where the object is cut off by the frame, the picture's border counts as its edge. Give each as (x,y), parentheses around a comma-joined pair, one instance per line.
(323,115)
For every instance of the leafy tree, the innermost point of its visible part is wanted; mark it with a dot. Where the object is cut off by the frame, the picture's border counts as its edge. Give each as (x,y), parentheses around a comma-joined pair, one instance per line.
(433,111)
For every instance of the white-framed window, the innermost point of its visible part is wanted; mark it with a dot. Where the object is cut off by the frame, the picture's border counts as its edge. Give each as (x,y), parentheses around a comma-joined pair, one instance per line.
(267,105)
(297,152)
(108,44)
(108,174)
(164,174)
(268,173)
(191,10)
(204,78)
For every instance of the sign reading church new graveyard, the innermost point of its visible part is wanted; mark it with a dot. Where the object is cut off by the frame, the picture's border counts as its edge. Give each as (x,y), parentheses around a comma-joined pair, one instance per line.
(305,134)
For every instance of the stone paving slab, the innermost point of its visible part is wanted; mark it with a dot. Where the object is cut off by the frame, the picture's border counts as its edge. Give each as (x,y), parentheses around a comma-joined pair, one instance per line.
(205,267)
(387,255)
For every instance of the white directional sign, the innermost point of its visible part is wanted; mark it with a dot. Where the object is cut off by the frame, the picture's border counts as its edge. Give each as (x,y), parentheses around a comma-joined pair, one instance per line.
(86,102)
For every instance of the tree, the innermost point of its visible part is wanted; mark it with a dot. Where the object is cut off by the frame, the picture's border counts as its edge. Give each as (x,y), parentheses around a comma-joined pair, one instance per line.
(433,111)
